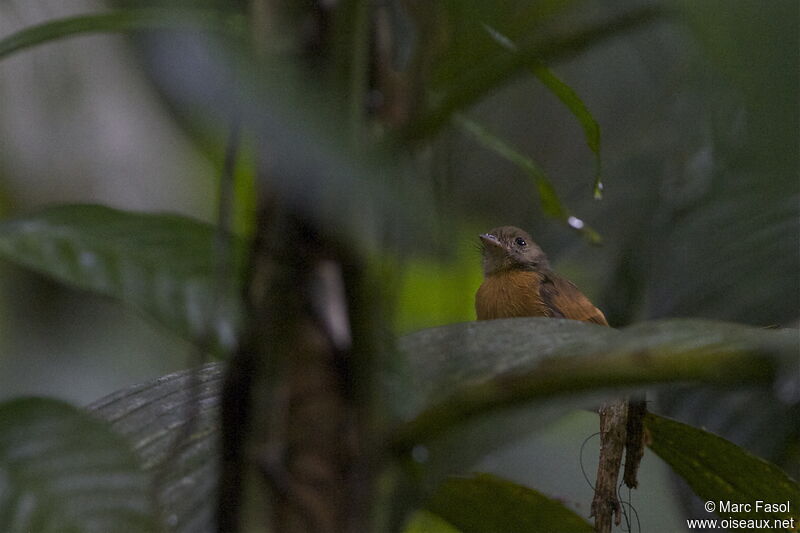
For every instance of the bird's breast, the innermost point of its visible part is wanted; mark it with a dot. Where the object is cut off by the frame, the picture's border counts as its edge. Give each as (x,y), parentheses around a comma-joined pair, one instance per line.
(510,294)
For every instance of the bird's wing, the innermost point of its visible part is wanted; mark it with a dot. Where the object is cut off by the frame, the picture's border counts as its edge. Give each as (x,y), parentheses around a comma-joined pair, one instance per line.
(564,300)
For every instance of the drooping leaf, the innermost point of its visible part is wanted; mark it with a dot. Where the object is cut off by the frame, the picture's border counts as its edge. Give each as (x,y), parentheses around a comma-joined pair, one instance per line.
(722,473)
(495,70)
(548,198)
(568,97)
(63,470)
(591,129)
(162,265)
(483,503)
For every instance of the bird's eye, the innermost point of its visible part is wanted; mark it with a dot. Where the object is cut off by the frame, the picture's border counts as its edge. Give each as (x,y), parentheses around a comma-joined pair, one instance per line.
(520,241)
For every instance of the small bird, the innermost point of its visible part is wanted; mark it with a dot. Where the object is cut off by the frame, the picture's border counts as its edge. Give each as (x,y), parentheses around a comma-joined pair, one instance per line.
(518,282)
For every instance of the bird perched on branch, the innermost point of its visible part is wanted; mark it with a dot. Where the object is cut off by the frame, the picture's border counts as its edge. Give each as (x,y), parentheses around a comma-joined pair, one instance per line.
(518,282)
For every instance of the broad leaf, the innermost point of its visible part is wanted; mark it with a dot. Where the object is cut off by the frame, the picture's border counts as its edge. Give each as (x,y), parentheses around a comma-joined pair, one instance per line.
(161,265)
(719,471)
(440,361)
(466,389)
(485,503)
(153,416)
(507,363)
(63,470)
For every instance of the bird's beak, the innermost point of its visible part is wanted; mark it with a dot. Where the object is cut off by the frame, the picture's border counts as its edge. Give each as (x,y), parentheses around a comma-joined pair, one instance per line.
(490,241)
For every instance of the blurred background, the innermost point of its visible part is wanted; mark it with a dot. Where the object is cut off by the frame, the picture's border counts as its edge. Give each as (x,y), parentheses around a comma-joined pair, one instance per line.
(81,123)
(698,109)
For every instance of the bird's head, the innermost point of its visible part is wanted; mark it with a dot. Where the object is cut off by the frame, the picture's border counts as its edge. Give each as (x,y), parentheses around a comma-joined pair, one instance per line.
(510,248)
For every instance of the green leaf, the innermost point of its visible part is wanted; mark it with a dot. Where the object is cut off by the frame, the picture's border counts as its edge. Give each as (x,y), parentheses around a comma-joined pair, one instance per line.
(114,22)
(568,97)
(485,503)
(161,265)
(151,416)
(439,361)
(506,363)
(466,388)
(495,70)
(764,421)
(719,471)
(62,470)
(548,198)
(591,129)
